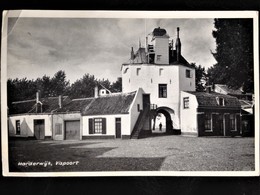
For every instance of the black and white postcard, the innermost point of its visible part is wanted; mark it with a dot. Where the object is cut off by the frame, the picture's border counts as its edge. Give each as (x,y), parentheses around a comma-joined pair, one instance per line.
(130,93)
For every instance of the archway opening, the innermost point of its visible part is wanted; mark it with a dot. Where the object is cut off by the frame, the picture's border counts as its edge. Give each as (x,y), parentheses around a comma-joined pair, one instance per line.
(162,121)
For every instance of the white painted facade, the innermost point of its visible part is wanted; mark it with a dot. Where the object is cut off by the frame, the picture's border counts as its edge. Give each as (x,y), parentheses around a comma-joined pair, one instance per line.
(149,76)
(189,115)
(27,124)
(127,120)
(110,124)
(161,47)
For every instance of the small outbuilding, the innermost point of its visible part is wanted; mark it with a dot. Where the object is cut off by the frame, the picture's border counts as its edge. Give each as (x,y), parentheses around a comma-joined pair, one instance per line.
(33,118)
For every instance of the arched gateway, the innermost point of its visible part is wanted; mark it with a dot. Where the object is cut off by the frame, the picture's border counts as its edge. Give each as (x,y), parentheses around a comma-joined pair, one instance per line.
(168,114)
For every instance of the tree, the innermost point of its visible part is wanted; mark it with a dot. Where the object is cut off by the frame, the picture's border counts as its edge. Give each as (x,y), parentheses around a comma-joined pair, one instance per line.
(83,87)
(200,77)
(59,84)
(117,86)
(234,54)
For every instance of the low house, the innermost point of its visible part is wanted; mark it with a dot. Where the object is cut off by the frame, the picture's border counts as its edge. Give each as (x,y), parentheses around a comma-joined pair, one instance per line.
(33,118)
(112,115)
(210,114)
(247,104)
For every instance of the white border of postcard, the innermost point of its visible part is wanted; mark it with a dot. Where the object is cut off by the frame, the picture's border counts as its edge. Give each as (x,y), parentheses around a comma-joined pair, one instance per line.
(125,14)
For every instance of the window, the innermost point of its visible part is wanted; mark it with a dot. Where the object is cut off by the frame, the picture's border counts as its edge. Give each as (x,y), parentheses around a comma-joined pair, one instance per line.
(186,103)
(160,71)
(18,127)
(58,130)
(232,122)
(162,90)
(98,125)
(138,107)
(207,121)
(159,57)
(188,73)
(125,71)
(220,101)
(138,71)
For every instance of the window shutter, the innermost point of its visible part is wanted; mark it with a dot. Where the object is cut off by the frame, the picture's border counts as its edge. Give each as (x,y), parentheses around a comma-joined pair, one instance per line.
(104,130)
(90,125)
(227,124)
(201,124)
(214,122)
(238,123)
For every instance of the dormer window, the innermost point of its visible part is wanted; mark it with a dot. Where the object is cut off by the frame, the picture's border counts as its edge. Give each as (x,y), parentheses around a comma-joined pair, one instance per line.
(220,101)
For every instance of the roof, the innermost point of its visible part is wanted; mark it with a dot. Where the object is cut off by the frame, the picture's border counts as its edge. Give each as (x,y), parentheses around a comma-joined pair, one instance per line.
(182,60)
(140,58)
(49,104)
(246,104)
(76,105)
(210,99)
(110,104)
(159,32)
(229,90)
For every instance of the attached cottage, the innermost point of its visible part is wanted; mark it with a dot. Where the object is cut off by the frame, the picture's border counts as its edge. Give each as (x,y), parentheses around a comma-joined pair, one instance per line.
(210,114)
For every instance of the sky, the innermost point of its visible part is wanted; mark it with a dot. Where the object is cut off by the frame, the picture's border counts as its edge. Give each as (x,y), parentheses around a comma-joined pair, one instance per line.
(98,46)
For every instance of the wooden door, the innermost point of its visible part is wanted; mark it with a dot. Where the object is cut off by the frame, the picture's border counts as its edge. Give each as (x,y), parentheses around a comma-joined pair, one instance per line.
(72,130)
(118,127)
(39,130)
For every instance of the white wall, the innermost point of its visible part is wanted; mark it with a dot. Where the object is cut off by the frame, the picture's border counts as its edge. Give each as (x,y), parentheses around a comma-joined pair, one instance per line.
(189,115)
(27,124)
(134,113)
(149,78)
(161,47)
(110,124)
(60,118)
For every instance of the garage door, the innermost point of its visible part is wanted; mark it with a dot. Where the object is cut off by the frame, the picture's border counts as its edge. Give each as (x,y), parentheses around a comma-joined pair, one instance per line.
(72,130)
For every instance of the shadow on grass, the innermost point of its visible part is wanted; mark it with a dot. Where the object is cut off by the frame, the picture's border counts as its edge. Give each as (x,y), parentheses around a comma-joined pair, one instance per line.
(82,158)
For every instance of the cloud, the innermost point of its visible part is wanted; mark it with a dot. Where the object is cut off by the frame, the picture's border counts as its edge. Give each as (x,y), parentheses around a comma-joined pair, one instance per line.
(38,46)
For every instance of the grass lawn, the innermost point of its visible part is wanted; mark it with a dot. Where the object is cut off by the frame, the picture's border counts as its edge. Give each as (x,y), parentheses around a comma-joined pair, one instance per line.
(160,153)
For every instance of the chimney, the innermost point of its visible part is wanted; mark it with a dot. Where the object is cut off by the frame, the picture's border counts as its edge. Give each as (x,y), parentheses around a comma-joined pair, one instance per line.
(37,97)
(178,45)
(172,49)
(132,54)
(208,89)
(96,92)
(60,101)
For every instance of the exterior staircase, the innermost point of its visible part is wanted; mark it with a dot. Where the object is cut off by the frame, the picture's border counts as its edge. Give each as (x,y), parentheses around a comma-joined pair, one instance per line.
(136,133)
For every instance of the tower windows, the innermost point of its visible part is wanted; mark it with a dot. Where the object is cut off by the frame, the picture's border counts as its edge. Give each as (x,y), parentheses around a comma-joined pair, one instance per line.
(138,71)
(162,90)
(188,73)
(158,57)
(160,71)
(186,103)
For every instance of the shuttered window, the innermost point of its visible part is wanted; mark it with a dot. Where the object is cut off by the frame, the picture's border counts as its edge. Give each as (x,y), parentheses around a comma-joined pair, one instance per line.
(232,122)
(97,126)
(207,121)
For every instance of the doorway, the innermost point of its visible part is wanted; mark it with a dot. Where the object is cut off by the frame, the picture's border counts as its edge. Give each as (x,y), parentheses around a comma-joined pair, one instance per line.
(39,129)
(118,127)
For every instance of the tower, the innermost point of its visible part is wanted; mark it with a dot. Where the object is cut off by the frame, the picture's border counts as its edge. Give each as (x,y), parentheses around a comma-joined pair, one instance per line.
(162,72)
